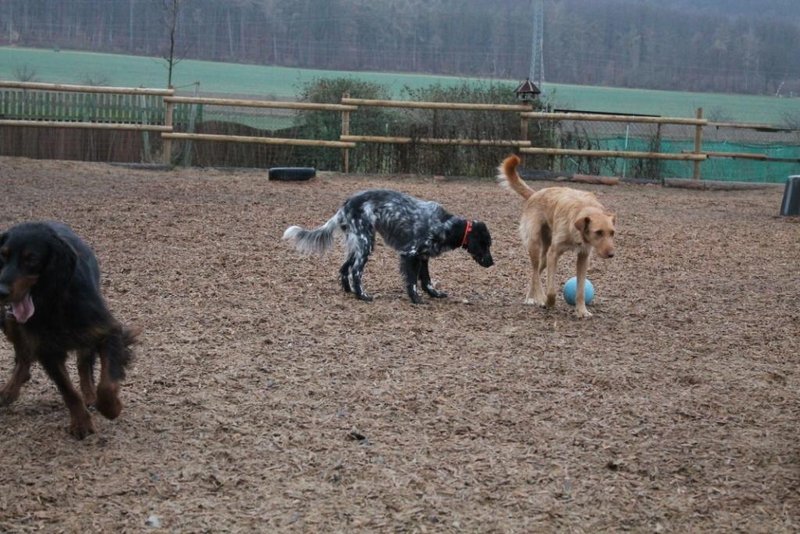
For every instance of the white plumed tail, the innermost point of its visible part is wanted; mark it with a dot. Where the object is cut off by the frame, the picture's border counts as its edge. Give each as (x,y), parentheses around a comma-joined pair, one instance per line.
(316,241)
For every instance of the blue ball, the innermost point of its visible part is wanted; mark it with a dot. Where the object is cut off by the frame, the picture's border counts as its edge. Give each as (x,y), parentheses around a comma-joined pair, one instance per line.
(571,289)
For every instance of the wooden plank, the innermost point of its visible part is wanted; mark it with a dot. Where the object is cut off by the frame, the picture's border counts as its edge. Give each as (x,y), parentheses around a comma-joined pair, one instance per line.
(597,117)
(259,103)
(261,140)
(736,155)
(613,154)
(698,145)
(435,105)
(433,141)
(749,155)
(592,179)
(36,86)
(89,125)
(771,128)
(717,184)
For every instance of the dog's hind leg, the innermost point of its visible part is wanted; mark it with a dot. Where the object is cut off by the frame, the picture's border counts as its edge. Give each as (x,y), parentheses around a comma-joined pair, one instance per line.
(80,421)
(547,240)
(425,278)
(86,359)
(410,267)
(344,273)
(360,245)
(538,257)
(552,261)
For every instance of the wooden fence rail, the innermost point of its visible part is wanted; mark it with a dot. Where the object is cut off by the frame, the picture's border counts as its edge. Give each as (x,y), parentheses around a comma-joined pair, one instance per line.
(170,102)
(599,117)
(521,109)
(432,141)
(146,109)
(259,103)
(436,105)
(82,106)
(255,139)
(88,125)
(614,154)
(35,86)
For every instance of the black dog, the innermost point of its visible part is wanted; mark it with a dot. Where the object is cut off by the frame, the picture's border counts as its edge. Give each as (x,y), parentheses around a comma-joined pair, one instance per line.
(417,229)
(50,287)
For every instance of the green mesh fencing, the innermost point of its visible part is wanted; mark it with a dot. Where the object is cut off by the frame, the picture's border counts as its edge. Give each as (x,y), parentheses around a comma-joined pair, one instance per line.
(723,169)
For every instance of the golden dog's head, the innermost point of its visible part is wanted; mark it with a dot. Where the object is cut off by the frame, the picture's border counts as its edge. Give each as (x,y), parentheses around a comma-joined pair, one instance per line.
(597,230)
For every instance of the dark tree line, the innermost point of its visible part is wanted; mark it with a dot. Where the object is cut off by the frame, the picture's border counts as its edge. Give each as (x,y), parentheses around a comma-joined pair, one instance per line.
(629,43)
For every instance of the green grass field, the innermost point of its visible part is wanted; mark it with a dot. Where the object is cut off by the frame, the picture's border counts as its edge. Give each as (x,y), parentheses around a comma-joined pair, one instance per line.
(283,83)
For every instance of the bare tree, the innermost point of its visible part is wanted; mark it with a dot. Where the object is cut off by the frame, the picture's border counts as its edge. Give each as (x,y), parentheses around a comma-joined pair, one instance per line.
(97,79)
(171,10)
(25,73)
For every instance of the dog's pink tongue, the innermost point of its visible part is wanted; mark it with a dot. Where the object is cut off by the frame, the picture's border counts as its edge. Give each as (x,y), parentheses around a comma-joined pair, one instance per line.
(23,310)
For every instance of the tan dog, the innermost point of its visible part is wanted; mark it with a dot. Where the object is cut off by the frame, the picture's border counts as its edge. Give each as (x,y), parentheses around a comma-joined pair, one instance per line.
(556,220)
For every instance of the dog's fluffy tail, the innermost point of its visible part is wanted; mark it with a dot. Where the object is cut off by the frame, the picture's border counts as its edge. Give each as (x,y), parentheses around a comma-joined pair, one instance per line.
(316,241)
(507,176)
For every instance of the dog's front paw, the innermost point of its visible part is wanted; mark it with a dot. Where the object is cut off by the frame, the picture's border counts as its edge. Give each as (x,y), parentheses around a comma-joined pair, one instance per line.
(9,393)
(7,398)
(582,313)
(81,427)
(551,300)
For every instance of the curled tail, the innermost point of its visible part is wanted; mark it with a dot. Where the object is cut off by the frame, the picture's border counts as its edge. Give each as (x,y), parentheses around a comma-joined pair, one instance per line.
(507,177)
(315,241)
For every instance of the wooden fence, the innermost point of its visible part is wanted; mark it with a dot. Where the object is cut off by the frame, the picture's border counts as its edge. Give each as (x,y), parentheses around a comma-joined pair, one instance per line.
(26,104)
(169,135)
(697,156)
(47,105)
(451,106)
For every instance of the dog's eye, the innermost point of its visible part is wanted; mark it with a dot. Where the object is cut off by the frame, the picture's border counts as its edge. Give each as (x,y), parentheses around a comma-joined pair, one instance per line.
(599,233)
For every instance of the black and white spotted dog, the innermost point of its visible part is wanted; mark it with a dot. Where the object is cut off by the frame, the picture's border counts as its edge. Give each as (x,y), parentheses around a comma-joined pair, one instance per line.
(417,229)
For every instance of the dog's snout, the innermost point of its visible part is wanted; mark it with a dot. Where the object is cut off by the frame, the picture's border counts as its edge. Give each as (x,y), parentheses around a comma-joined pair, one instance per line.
(610,254)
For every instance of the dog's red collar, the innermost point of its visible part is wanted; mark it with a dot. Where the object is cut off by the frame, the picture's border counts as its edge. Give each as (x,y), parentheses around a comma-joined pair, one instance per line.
(466,234)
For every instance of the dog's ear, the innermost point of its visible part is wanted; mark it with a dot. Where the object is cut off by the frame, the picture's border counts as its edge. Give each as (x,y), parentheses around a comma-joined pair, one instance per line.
(582,224)
(482,230)
(61,262)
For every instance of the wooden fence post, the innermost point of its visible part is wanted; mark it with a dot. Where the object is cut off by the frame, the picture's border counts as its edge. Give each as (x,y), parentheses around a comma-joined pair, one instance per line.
(187,152)
(698,144)
(523,132)
(166,142)
(144,119)
(346,131)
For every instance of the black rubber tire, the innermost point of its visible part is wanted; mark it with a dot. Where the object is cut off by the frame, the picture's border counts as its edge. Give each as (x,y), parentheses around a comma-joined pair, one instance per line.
(292,174)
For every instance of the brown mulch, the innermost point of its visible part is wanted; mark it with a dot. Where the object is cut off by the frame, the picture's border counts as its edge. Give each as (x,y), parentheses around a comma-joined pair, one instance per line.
(264,399)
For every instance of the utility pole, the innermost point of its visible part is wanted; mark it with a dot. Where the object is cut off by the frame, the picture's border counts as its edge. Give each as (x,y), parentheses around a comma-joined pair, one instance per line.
(536,74)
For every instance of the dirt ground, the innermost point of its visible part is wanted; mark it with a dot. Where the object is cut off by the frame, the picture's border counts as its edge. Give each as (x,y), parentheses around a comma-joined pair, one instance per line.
(264,399)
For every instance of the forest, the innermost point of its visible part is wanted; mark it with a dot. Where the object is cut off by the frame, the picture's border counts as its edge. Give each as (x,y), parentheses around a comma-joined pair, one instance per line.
(713,45)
